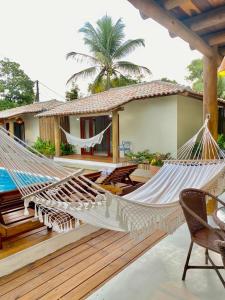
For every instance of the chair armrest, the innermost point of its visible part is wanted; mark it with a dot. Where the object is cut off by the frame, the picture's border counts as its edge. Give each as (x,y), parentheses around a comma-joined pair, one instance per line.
(205,224)
(215,198)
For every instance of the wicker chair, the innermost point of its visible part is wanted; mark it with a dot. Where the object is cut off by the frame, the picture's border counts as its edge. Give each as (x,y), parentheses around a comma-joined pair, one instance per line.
(193,203)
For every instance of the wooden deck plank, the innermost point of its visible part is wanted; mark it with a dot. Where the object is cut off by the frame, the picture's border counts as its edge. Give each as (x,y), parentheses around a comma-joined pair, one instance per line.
(13,247)
(98,253)
(98,279)
(16,274)
(75,271)
(50,269)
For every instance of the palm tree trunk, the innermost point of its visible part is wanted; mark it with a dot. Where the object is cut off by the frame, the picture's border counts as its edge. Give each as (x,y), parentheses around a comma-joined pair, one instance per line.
(108,85)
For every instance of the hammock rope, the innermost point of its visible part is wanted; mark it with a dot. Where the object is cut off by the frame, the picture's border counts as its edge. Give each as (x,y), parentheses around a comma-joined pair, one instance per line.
(85,143)
(63,198)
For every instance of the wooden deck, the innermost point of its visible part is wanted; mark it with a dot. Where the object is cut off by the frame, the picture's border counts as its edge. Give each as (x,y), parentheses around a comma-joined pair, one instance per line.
(24,241)
(78,269)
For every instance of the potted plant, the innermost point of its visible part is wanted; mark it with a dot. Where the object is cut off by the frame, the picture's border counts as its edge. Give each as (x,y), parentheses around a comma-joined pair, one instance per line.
(157,162)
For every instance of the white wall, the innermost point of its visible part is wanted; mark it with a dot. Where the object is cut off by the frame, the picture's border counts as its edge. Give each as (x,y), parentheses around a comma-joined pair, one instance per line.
(31,128)
(150,124)
(190,118)
(75,128)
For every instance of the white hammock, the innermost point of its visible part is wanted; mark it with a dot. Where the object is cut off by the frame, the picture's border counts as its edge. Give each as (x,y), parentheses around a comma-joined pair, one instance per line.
(66,197)
(85,143)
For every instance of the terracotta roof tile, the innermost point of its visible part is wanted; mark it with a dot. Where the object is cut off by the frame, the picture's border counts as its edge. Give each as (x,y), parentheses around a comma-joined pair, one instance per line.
(30,108)
(116,97)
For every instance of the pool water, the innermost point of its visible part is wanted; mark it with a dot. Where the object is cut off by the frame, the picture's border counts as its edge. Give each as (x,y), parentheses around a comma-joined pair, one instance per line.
(7,184)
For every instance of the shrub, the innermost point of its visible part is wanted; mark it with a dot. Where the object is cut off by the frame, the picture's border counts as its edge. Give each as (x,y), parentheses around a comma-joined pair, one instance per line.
(67,149)
(221,141)
(44,147)
(145,157)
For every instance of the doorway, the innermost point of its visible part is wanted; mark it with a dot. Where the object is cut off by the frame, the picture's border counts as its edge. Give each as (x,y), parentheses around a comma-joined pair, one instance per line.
(19,131)
(91,126)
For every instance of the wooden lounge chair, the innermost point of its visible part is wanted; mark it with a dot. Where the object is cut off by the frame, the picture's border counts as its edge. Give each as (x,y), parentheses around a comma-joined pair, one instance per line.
(118,180)
(193,203)
(118,175)
(12,219)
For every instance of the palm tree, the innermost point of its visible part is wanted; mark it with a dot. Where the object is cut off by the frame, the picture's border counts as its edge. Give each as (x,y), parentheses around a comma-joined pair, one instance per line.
(107,46)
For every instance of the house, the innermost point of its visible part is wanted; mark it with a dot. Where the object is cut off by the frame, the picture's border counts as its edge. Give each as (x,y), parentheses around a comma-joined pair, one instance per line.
(157,115)
(20,121)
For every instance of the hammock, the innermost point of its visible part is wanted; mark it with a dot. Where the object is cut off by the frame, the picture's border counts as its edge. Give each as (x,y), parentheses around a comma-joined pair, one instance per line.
(63,198)
(85,143)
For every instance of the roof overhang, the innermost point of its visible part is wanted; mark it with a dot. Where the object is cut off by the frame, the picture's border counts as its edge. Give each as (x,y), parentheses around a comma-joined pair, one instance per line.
(200,26)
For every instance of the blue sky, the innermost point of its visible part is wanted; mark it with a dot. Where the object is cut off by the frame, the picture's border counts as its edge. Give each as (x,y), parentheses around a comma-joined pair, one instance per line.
(38,34)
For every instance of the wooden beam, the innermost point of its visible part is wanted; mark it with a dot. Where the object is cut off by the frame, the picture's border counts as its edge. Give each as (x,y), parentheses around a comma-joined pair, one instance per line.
(57,135)
(163,17)
(115,136)
(217,38)
(11,128)
(170,4)
(210,105)
(222,50)
(206,20)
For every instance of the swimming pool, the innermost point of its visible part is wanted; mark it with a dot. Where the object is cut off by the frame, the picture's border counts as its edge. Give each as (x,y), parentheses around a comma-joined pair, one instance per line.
(7,184)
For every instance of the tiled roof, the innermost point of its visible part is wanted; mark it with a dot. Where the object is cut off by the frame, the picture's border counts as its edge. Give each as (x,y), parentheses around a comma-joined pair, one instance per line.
(116,97)
(36,107)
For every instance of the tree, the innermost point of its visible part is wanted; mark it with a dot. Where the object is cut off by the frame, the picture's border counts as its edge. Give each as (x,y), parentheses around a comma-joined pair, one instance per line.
(73,93)
(115,82)
(107,46)
(195,76)
(165,79)
(15,85)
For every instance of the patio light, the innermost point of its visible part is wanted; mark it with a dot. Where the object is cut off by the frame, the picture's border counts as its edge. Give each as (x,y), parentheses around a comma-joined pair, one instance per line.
(19,121)
(221,70)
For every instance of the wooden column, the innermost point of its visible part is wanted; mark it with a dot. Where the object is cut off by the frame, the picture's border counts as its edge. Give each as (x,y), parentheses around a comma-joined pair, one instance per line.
(115,136)
(57,135)
(11,127)
(210,105)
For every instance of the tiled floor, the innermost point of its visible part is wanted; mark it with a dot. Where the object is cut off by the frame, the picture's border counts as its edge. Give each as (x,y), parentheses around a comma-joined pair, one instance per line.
(157,275)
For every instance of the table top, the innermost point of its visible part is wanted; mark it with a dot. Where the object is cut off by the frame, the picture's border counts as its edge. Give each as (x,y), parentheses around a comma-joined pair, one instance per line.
(219,217)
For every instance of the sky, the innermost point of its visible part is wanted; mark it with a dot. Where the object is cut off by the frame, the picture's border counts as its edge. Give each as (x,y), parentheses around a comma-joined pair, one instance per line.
(39,33)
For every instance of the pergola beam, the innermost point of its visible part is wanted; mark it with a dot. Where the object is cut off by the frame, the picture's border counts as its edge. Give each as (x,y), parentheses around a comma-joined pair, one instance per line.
(171,4)
(216,38)
(206,20)
(150,9)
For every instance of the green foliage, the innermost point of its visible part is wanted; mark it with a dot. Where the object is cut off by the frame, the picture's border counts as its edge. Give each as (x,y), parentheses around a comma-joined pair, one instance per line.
(195,76)
(44,147)
(67,149)
(165,79)
(115,82)
(6,104)
(48,149)
(158,159)
(221,141)
(15,85)
(107,45)
(73,93)
(146,157)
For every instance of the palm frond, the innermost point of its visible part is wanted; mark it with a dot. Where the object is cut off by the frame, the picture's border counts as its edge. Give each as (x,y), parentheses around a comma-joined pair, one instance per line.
(130,68)
(128,47)
(83,74)
(81,57)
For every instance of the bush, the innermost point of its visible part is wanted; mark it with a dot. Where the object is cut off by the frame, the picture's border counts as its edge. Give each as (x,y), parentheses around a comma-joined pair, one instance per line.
(47,148)
(140,157)
(67,149)
(221,141)
(44,147)
(145,157)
